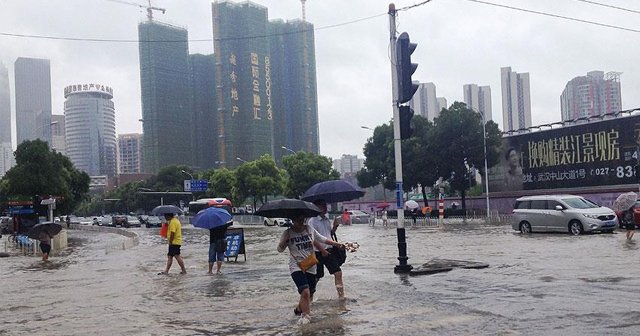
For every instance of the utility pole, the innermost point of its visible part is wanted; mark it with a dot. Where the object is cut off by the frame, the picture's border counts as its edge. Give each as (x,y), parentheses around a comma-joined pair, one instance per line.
(403,266)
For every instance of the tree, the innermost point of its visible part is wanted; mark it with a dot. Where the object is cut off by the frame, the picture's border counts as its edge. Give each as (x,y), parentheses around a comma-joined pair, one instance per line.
(221,182)
(41,172)
(379,159)
(306,169)
(463,148)
(259,179)
(419,156)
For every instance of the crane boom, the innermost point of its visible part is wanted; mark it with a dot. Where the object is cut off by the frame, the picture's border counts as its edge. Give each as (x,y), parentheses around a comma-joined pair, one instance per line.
(149,8)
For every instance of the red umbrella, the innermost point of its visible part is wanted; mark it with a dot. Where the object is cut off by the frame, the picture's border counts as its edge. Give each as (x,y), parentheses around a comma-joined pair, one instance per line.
(383,205)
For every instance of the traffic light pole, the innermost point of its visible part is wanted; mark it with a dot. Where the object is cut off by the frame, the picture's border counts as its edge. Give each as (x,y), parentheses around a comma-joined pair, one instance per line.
(403,266)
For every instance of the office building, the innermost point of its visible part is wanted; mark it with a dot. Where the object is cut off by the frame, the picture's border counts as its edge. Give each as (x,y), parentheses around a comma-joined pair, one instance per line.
(243,82)
(58,141)
(442,104)
(90,128)
(293,95)
(129,153)
(478,98)
(205,131)
(33,99)
(6,150)
(348,165)
(425,103)
(166,96)
(591,95)
(516,100)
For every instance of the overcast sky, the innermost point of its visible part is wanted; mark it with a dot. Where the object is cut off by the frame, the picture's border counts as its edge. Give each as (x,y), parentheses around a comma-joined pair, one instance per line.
(459,42)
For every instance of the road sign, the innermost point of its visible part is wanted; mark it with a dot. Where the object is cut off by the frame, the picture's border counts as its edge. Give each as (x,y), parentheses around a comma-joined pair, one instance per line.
(199,185)
(187,185)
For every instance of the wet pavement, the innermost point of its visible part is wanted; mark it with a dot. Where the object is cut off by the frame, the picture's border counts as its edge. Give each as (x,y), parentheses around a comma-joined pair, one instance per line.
(540,284)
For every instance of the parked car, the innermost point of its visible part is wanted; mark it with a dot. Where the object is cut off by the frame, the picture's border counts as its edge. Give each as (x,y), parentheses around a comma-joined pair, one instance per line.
(84,221)
(133,221)
(277,221)
(153,221)
(119,220)
(358,217)
(563,213)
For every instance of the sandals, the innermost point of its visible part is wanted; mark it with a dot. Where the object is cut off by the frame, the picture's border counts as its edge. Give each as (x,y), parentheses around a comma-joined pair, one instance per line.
(297,311)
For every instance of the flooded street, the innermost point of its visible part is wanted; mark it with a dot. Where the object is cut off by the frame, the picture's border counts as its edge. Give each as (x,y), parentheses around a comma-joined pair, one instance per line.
(540,284)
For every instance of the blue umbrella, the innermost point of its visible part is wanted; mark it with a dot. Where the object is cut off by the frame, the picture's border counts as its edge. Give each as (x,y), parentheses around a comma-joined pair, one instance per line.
(333,191)
(211,218)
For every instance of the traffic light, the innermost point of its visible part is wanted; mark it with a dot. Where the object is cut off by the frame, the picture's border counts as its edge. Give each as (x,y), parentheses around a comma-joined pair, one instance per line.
(404,49)
(406,113)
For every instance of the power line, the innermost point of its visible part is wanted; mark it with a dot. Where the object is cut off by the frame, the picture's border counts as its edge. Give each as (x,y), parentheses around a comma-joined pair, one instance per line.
(610,6)
(62,38)
(557,16)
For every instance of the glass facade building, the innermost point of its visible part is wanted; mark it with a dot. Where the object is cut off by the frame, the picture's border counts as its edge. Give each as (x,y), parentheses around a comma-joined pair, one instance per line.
(6,151)
(90,128)
(203,91)
(129,153)
(33,99)
(294,87)
(243,82)
(166,97)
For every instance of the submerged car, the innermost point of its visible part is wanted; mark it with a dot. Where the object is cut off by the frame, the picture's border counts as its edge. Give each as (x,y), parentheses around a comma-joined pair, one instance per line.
(358,217)
(561,213)
(277,221)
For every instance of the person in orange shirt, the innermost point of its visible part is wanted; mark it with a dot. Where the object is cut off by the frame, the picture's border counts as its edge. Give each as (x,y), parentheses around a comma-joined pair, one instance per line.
(346,217)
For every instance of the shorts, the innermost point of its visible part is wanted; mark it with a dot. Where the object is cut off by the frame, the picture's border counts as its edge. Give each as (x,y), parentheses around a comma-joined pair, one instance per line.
(330,262)
(630,226)
(45,248)
(174,250)
(304,280)
(213,254)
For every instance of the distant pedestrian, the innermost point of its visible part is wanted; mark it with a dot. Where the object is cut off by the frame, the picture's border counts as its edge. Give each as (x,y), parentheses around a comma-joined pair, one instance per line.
(372,217)
(385,220)
(45,245)
(629,222)
(174,237)
(413,216)
(68,221)
(217,247)
(346,217)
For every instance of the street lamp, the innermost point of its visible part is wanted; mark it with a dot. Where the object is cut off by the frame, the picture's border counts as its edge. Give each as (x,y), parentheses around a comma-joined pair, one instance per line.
(486,171)
(241,160)
(183,171)
(367,128)
(288,149)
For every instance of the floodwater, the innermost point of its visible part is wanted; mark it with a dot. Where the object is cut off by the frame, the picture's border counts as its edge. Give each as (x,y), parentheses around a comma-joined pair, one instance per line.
(540,284)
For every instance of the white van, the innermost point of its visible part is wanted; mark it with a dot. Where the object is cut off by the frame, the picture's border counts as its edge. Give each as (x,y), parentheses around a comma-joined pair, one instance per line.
(563,213)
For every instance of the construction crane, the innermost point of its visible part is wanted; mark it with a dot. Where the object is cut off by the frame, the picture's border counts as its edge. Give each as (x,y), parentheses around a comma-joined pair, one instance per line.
(304,12)
(149,8)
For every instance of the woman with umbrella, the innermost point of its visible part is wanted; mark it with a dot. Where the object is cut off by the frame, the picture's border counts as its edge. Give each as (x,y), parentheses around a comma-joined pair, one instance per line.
(300,239)
(624,205)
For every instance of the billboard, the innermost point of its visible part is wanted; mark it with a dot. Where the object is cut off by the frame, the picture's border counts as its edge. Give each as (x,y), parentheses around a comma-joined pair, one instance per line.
(601,153)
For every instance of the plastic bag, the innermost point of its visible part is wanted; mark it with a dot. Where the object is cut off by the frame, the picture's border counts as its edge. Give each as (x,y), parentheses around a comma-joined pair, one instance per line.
(164,229)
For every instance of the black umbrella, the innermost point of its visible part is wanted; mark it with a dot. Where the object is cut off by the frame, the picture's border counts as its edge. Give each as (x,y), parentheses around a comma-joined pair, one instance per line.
(333,191)
(161,210)
(288,208)
(38,230)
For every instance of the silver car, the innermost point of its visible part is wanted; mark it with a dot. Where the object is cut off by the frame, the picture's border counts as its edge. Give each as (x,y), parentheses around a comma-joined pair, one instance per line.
(563,213)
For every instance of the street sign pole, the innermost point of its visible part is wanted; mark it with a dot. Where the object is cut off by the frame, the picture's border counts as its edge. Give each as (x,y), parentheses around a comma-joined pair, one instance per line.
(403,266)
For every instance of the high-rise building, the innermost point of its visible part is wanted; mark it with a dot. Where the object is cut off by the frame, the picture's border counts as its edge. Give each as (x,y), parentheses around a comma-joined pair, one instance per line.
(129,153)
(6,149)
(478,98)
(348,165)
(166,95)
(591,95)
(205,131)
(293,97)
(424,102)
(58,141)
(90,128)
(243,81)
(442,104)
(516,100)
(33,99)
